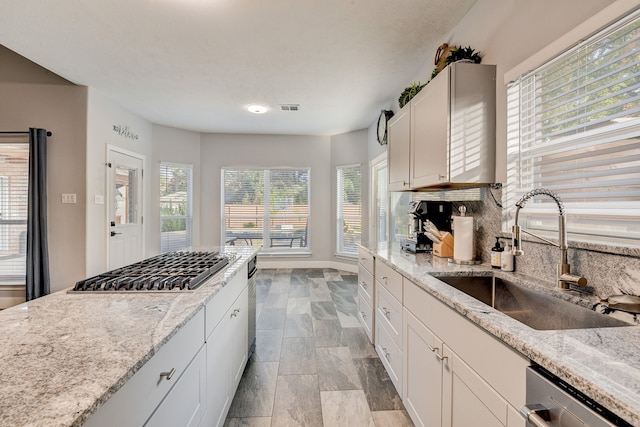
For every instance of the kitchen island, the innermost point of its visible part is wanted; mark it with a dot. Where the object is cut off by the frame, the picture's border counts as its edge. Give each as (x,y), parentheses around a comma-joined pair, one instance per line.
(603,363)
(66,354)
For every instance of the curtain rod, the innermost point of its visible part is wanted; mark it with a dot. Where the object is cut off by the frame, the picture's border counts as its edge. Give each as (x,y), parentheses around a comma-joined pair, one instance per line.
(21,132)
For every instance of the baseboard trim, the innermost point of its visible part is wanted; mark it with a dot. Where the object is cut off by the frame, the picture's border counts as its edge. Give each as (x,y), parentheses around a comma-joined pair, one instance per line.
(268,264)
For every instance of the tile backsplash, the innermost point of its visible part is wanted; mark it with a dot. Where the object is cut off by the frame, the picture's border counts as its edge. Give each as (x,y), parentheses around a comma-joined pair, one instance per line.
(610,270)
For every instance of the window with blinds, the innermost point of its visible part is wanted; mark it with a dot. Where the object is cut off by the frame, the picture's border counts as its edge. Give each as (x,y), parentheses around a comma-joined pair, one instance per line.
(14,189)
(176,188)
(349,210)
(266,207)
(573,127)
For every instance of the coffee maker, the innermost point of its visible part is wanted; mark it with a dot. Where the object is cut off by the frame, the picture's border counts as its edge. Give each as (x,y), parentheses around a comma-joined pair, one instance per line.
(439,213)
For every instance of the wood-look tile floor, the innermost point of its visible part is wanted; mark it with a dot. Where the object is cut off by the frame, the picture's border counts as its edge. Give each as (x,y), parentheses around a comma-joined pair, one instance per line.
(313,364)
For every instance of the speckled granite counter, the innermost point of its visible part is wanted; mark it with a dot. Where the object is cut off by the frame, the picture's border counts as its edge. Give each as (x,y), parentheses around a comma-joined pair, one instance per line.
(603,363)
(65,354)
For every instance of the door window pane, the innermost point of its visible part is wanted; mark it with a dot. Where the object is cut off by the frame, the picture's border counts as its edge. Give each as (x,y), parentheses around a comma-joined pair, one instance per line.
(125,195)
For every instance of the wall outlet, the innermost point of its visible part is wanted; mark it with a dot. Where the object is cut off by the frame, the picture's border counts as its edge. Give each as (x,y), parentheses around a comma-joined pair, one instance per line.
(98,199)
(68,198)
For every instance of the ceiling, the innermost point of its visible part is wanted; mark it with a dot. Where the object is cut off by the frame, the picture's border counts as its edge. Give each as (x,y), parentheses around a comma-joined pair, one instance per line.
(197,64)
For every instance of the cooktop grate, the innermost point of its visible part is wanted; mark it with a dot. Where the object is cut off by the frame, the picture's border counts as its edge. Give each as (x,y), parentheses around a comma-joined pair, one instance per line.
(170,272)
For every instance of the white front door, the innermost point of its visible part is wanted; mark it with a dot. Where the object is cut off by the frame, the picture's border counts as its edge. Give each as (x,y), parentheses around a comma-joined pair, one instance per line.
(125,208)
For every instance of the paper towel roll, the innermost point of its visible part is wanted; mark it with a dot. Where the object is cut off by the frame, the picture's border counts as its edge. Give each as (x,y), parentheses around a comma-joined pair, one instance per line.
(463,247)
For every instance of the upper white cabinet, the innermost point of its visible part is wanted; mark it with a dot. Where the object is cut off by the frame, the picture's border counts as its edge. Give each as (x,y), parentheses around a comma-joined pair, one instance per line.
(445,137)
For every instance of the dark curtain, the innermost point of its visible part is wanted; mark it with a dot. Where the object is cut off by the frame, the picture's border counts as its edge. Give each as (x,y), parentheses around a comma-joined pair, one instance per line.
(37,249)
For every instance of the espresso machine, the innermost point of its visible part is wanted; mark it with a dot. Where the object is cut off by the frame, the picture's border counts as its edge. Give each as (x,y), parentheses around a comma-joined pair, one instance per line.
(439,213)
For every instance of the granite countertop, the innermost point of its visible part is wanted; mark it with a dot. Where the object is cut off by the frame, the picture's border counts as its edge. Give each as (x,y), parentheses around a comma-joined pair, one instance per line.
(65,354)
(603,363)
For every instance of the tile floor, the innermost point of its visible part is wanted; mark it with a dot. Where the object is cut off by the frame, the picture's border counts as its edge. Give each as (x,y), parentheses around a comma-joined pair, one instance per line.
(313,364)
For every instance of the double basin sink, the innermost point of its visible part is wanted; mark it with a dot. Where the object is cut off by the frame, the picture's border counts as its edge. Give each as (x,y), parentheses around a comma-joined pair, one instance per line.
(532,308)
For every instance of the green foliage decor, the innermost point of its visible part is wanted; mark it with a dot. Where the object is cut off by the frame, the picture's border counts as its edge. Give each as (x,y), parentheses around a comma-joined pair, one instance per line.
(409,92)
(460,53)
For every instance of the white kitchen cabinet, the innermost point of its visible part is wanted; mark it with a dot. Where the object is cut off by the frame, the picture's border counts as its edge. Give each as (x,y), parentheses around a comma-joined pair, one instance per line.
(366,292)
(399,149)
(388,321)
(226,349)
(136,401)
(422,382)
(445,136)
(454,374)
(186,402)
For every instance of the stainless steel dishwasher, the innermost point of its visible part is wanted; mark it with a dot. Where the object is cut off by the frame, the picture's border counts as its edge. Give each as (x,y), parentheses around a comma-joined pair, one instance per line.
(553,402)
(253,269)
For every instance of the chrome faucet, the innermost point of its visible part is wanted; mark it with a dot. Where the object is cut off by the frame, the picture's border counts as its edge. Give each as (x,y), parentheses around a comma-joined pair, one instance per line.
(564,276)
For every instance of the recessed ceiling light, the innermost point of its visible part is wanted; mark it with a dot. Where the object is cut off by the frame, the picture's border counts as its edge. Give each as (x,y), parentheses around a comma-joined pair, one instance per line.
(257,109)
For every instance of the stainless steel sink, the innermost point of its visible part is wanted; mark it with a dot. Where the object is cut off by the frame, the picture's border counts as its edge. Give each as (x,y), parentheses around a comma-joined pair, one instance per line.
(536,310)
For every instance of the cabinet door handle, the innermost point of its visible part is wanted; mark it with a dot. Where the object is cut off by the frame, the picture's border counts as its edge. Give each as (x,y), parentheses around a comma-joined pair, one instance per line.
(386,353)
(385,279)
(364,316)
(235,312)
(405,184)
(364,285)
(169,374)
(386,312)
(435,351)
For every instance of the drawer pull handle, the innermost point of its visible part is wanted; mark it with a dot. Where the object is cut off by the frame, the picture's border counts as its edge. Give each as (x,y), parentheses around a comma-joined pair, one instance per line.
(435,350)
(536,414)
(385,279)
(235,312)
(364,316)
(386,353)
(169,374)
(364,285)
(386,312)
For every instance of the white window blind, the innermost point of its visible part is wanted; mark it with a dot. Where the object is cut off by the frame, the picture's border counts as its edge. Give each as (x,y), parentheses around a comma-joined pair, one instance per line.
(266,207)
(573,126)
(176,188)
(14,188)
(349,210)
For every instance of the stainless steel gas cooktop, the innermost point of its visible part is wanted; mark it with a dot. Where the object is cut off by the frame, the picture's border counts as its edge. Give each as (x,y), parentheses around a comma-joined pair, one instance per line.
(170,272)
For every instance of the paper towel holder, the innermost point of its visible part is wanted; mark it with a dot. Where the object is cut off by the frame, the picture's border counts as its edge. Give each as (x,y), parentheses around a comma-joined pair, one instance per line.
(452,260)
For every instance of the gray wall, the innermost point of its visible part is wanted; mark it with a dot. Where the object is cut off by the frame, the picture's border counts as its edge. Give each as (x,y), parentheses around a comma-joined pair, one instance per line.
(62,110)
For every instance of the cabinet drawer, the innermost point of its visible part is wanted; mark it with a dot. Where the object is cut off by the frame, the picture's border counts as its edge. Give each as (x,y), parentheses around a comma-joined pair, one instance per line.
(365,285)
(365,260)
(390,279)
(185,403)
(220,303)
(366,316)
(389,311)
(138,398)
(390,355)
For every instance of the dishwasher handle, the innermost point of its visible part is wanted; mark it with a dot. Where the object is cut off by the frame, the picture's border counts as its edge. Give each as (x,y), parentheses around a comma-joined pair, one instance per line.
(537,415)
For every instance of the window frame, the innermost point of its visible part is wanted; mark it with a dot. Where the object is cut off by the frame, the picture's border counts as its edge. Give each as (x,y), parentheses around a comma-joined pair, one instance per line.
(188,218)
(341,217)
(540,214)
(267,215)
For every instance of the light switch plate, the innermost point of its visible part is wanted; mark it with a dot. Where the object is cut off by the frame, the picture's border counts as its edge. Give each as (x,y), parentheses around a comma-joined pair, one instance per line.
(68,198)
(98,199)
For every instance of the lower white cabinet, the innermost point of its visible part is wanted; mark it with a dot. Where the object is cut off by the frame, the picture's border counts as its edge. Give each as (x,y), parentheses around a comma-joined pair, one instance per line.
(177,364)
(453,373)
(186,402)
(423,373)
(226,354)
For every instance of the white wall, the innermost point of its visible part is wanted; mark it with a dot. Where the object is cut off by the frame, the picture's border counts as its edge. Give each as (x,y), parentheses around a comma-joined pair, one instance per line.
(218,150)
(60,109)
(175,146)
(102,114)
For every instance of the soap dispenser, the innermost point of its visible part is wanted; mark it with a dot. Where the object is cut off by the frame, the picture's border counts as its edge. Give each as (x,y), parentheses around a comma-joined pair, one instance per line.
(507,259)
(496,254)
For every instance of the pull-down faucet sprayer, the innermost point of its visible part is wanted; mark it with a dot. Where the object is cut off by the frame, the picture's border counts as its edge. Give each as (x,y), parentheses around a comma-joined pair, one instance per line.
(564,276)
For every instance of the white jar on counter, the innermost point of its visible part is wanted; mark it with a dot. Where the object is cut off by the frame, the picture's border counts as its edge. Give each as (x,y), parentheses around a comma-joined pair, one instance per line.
(506,259)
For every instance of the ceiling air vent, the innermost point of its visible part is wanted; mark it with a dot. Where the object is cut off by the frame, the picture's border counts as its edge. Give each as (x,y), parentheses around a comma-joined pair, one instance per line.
(289,107)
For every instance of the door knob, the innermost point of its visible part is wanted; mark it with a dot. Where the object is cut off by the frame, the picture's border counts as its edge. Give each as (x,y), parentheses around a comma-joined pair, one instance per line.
(113,233)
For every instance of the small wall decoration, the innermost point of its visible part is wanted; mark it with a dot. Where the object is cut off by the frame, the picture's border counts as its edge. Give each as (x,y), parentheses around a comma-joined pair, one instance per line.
(125,132)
